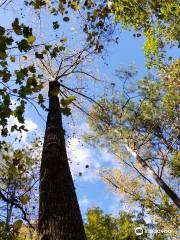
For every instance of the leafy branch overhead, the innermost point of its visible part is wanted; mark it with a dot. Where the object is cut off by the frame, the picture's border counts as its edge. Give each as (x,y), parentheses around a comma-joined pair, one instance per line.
(31,77)
(157,21)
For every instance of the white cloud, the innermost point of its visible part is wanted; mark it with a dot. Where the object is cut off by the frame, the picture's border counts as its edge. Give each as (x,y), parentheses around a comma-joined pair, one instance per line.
(29,125)
(82,160)
(82,155)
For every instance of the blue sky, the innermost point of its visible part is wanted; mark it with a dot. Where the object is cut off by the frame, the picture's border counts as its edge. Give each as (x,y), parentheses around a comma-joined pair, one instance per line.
(90,189)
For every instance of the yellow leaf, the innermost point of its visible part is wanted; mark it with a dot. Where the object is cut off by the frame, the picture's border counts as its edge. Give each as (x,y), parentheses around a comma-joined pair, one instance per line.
(31,39)
(75,6)
(24,58)
(13,59)
(24,199)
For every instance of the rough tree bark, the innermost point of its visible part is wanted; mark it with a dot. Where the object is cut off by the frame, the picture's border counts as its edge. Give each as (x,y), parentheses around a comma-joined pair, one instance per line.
(59,213)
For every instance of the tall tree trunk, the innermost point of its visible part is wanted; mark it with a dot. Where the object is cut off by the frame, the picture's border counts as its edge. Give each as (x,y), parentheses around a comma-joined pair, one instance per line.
(59,213)
(160,182)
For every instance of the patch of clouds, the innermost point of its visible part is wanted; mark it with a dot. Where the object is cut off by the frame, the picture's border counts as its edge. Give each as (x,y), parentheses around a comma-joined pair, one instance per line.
(82,160)
(30,125)
(86,160)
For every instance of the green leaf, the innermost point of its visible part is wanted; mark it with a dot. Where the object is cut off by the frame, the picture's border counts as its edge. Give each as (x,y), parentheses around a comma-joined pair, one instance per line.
(32,69)
(27,31)
(65,39)
(3,64)
(4,132)
(31,39)
(2,31)
(3,55)
(16,27)
(23,45)
(5,157)
(39,55)
(66,111)
(40,99)
(67,101)
(5,76)
(14,127)
(39,3)
(62,48)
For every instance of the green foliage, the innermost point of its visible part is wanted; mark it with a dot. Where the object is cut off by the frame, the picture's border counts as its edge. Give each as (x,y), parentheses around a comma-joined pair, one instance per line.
(156,204)
(23,45)
(175,164)
(31,39)
(65,103)
(17,27)
(18,174)
(142,120)
(105,226)
(68,100)
(147,123)
(26,80)
(5,234)
(158,21)
(17,231)
(23,82)
(66,111)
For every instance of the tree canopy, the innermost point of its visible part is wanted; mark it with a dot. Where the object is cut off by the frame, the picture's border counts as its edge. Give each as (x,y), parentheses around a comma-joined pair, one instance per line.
(104,226)
(43,62)
(156,21)
(139,126)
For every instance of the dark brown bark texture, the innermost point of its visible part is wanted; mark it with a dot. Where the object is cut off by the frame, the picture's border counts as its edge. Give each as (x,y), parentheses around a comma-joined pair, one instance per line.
(59,213)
